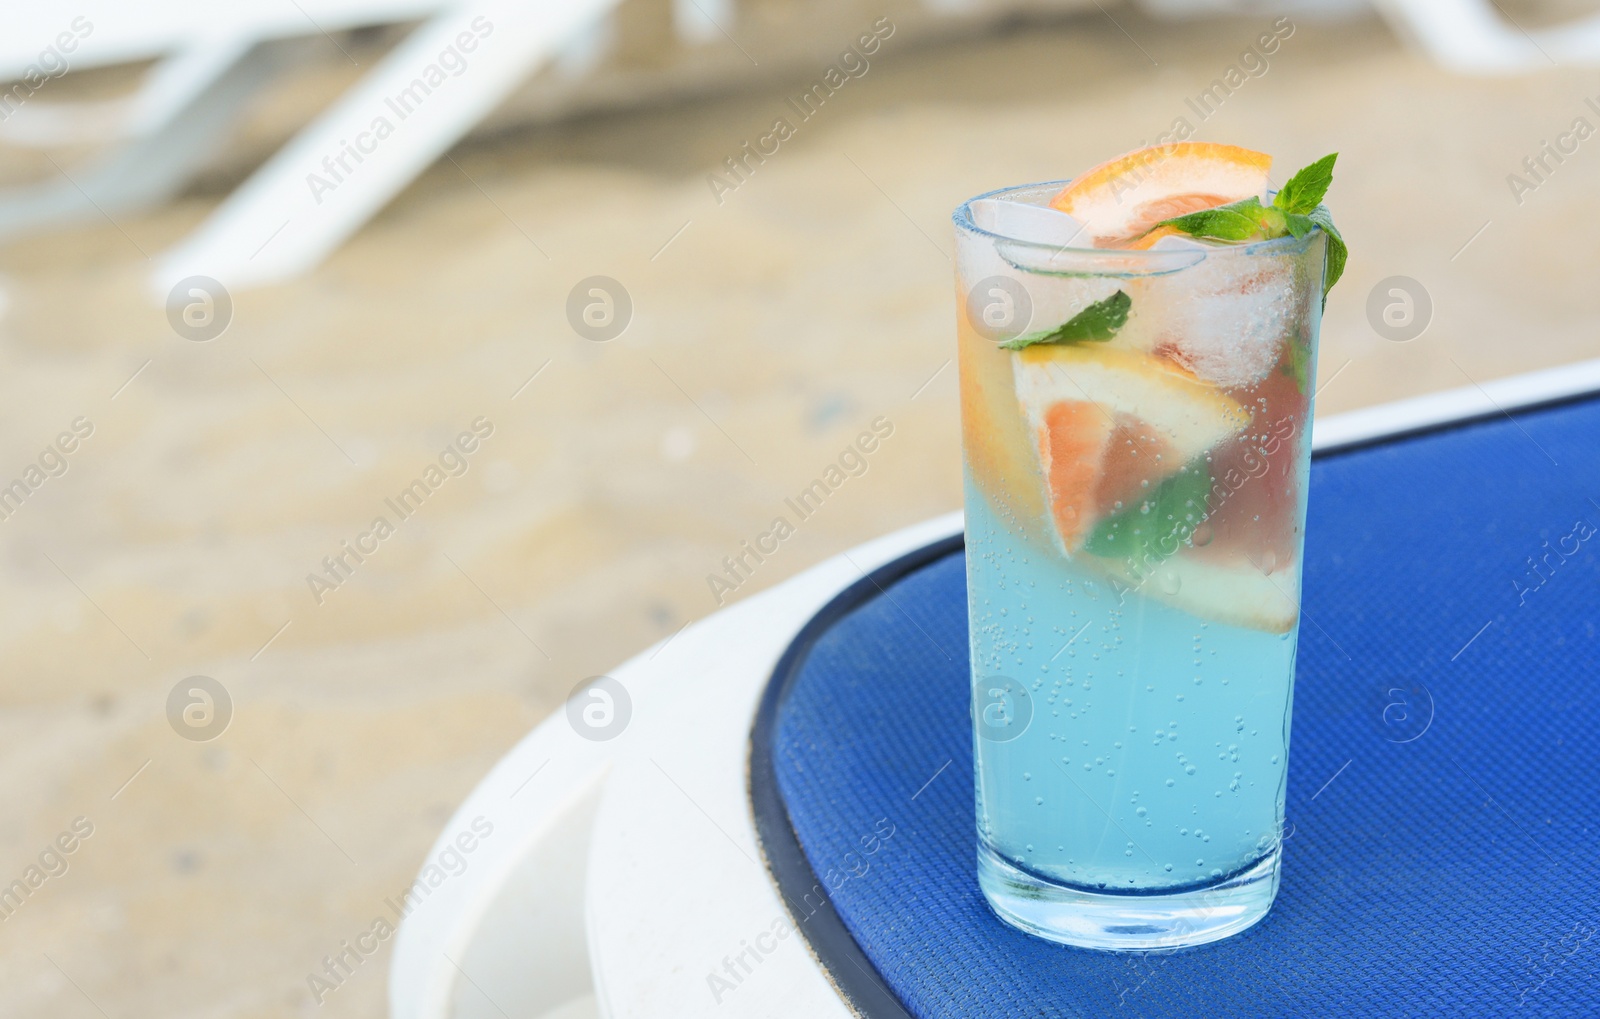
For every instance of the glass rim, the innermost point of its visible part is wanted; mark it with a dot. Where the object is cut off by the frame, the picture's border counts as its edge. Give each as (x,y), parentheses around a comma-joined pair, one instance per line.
(962,217)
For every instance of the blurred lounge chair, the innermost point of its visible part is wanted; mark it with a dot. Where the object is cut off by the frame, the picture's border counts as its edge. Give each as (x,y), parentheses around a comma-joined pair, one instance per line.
(208,67)
(296,209)
(281,221)
(204,70)
(1477,37)
(1467,36)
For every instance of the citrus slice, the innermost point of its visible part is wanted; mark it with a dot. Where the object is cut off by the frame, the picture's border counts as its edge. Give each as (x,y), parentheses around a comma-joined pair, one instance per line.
(1119,200)
(1109,424)
(1148,241)
(1238,594)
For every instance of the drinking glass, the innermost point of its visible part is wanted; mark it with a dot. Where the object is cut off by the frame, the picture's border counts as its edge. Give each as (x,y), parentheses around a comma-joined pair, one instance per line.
(1135,508)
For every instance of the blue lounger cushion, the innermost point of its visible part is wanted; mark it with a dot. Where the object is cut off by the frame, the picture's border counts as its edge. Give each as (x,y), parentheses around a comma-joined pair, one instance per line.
(1453,874)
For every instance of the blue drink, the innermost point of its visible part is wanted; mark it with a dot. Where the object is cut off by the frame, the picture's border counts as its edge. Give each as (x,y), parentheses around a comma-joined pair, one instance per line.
(1135,509)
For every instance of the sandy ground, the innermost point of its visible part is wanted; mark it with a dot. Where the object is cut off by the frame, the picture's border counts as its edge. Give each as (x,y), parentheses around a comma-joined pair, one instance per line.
(767,330)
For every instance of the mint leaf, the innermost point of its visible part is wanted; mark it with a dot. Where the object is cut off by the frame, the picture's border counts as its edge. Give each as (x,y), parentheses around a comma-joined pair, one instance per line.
(1097,323)
(1236,221)
(1154,528)
(1244,220)
(1303,192)
(1298,225)
(1338,254)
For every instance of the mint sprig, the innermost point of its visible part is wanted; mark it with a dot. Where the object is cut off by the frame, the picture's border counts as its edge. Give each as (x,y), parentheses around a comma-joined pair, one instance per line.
(1296,210)
(1097,323)
(1303,192)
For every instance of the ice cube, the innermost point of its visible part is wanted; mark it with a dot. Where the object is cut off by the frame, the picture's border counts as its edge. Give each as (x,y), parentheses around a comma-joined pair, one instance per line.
(1226,318)
(1057,299)
(1036,224)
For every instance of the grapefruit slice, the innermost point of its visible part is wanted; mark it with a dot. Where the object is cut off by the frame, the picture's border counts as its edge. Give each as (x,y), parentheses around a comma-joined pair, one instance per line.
(1122,199)
(1108,424)
(1148,241)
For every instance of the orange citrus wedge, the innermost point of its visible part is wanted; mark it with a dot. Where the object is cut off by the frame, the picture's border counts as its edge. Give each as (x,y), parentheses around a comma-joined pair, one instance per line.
(1109,424)
(1123,198)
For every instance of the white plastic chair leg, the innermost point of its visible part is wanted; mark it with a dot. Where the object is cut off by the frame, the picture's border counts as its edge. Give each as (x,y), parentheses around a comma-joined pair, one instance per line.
(166,94)
(339,171)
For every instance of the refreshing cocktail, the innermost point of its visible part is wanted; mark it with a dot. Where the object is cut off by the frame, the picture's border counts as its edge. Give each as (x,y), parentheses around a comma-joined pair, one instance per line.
(1136,354)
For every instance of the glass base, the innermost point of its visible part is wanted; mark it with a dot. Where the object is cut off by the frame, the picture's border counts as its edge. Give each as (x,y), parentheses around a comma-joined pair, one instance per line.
(1127,922)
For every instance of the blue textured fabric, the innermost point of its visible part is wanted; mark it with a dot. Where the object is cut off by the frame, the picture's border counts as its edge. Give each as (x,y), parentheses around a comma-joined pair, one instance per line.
(1455,874)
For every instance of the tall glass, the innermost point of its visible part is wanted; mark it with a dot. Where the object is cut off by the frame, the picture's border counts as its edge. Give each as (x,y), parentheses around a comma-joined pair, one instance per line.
(1135,507)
